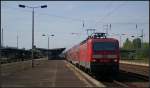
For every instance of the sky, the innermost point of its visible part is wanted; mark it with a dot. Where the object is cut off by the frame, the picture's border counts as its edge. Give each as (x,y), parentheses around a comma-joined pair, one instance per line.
(62,18)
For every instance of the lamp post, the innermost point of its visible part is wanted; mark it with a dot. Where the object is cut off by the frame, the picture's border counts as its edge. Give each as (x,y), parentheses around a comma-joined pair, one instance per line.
(0,39)
(17,41)
(23,6)
(48,43)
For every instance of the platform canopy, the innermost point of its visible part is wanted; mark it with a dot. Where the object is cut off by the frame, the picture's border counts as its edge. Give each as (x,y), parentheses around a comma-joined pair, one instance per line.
(53,53)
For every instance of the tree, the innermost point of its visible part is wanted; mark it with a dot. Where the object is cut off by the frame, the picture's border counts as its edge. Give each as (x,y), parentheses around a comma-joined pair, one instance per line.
(143,52)
(136,43)
(145,45)
(128,44)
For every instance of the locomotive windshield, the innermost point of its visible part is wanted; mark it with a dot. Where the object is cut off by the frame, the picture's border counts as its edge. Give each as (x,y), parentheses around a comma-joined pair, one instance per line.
(98,46)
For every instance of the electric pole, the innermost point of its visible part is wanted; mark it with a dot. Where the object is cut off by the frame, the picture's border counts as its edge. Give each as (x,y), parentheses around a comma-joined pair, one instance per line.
(2,41)
(48,36)
(142,35)
(137,30)
(33,46)
(0,38)
(108,27)
(0,44)
(17,41)
(91,31)
(107,30)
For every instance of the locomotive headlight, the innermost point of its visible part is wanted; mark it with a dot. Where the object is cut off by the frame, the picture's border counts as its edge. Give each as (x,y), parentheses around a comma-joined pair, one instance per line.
(94,60)
(115,60)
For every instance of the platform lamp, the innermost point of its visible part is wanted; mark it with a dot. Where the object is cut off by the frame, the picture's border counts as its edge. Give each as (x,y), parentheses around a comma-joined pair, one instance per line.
(24,6)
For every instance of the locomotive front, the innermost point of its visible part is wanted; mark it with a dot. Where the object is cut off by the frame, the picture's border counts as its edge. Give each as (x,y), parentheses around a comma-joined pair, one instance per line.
(105,55)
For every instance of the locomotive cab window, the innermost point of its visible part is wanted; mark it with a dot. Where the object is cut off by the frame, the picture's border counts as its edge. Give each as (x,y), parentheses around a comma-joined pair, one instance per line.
(98,46)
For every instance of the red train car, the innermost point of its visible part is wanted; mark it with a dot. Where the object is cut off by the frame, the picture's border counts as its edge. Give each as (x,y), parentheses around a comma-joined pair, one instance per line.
(97,54)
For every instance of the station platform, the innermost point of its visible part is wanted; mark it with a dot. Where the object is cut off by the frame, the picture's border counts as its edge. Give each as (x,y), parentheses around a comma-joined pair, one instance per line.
(48,73)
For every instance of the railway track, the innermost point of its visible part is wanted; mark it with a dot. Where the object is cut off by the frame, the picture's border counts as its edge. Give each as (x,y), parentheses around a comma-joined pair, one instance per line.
(124,80)
(132,80)
(146,78)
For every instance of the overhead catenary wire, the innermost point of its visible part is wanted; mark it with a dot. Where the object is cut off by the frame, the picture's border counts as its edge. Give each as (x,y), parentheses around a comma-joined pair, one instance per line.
(109,13)
(81,20)
(48,14)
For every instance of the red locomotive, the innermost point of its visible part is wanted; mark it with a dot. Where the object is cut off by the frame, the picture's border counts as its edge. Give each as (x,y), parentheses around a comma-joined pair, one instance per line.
(97,54)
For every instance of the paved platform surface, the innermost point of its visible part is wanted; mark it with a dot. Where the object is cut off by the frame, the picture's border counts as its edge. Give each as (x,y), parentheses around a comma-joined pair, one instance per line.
(49,73)
(139,69)
(133,63)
